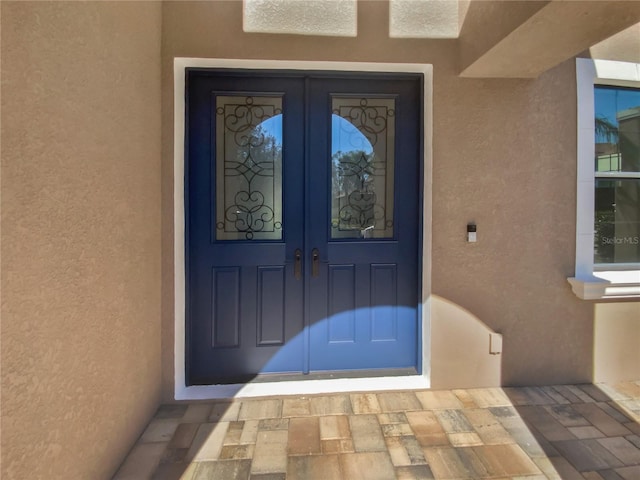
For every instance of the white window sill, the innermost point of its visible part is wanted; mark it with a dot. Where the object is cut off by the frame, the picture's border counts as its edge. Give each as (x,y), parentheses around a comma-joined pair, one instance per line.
(607,284)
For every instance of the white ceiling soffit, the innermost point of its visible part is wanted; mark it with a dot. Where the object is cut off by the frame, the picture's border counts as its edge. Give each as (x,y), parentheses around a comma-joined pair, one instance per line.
(423,19)
(336,18)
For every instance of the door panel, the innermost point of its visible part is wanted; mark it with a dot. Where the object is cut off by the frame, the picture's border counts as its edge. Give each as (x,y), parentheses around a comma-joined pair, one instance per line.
(279,164)
(341,299)
(373,230)
(225,303)
(384,297)
(244,225)
(271,305)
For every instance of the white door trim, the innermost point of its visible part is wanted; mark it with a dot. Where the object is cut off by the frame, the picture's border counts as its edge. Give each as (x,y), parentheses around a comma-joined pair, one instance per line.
(181,391)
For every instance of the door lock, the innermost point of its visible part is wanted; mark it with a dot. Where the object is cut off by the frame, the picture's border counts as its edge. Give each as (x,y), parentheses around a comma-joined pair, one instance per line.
(315,262)
(297,264)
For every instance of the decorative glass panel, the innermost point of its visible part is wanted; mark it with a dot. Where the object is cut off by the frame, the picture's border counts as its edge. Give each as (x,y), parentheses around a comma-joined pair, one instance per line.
(362,161)
(248,168)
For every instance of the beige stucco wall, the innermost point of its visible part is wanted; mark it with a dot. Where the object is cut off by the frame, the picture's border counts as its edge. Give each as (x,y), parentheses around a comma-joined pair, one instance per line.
(623,47)
(487,22)
(80,235)
(616,342)
(461,349)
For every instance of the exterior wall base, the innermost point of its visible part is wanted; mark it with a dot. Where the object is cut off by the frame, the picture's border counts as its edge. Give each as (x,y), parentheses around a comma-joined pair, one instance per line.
(464,350)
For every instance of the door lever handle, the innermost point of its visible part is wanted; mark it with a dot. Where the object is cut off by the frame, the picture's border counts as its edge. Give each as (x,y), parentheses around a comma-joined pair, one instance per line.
(315,262)
(297,264)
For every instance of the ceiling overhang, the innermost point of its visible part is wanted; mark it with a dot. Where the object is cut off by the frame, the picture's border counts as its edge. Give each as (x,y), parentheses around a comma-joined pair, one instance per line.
(529,38)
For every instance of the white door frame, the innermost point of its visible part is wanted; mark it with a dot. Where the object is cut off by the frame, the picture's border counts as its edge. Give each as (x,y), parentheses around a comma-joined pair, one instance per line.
(181,391)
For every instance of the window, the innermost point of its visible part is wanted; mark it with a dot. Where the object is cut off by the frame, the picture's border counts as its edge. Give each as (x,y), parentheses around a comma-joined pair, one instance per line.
(617,176)
(608,194)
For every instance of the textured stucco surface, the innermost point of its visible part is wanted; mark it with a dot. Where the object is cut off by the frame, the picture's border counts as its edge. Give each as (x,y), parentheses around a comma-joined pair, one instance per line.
(555,33)
(622,47)
(460,349)
(423,19)
(503,156)
(303,17)
(510,167)
(488,22)
(80,235)
(616,341)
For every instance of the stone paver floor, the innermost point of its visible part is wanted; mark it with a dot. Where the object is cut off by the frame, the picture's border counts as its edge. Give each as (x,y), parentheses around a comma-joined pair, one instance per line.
(557,432)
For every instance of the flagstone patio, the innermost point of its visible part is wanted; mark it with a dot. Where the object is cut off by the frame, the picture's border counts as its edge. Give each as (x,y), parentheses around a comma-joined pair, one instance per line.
(557,432)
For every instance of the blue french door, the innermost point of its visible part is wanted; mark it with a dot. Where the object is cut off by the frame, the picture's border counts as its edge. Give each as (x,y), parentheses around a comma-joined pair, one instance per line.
(303,221)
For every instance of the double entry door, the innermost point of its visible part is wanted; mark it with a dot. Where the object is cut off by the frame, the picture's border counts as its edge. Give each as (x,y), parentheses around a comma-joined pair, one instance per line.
(303,225)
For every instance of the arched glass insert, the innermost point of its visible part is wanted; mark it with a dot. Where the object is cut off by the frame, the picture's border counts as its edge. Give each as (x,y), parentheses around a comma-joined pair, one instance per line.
(362,167)
(248,168)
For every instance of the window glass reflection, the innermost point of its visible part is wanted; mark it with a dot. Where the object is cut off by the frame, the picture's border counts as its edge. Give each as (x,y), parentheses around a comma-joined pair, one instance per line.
(617,172)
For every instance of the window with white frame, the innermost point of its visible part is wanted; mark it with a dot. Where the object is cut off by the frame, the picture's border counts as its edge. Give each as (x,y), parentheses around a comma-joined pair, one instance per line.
(608,193)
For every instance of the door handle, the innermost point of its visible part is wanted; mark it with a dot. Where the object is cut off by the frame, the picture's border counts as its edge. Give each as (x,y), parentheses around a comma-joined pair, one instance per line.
(297,264)
(315,262)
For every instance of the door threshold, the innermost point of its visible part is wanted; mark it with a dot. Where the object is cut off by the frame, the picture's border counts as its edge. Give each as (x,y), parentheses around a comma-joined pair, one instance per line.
(297,376)
(308,386)
(335,374)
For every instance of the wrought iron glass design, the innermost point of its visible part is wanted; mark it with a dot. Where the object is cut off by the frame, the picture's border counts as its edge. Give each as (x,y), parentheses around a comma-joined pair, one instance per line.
(248,168)
(362,167)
